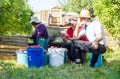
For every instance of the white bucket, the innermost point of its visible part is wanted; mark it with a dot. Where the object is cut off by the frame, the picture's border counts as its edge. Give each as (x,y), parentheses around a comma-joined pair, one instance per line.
(56,56)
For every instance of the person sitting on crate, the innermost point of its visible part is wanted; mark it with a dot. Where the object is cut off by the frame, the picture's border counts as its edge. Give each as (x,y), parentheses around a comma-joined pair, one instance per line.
(95,35)
(40,35)
(66,35)
(69,35)
(79,35)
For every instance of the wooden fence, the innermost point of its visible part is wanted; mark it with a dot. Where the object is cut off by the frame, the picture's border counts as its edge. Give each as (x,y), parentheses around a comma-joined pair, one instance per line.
(9,45)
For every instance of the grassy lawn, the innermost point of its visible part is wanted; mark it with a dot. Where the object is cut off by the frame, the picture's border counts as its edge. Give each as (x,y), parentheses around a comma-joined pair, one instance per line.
(110,69)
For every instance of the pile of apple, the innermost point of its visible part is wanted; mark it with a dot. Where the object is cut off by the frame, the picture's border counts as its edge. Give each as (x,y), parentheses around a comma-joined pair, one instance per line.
(34,46)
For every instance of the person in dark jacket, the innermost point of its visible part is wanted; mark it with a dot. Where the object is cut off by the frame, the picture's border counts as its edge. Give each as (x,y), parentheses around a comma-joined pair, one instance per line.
(40,35)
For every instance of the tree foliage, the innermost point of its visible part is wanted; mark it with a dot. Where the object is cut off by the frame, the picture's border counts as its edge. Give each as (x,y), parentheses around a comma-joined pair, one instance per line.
(15,16)
(76,5)
(108,12)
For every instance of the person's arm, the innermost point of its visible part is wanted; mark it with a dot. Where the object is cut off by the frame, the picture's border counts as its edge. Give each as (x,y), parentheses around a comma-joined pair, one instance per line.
(40,30)
(64,36)
(77,35)
(64,39)
(32,36)
(80,34)
(97,40)
(99,36)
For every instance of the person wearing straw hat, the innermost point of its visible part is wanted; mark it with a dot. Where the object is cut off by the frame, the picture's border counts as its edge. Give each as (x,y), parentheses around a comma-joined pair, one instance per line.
(94,32)
(40,32)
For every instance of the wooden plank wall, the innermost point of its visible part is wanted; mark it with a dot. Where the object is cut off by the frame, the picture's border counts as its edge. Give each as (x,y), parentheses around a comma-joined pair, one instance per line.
(12,43)
(9,45)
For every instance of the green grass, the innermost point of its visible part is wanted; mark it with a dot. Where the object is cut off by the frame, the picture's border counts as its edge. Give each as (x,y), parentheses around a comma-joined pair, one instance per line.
(109,70)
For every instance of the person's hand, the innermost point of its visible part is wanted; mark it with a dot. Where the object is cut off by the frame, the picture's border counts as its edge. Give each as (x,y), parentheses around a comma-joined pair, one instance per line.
(65,40)
(65,36)
(94,45)
(80,23)
(62,35)
(71,38)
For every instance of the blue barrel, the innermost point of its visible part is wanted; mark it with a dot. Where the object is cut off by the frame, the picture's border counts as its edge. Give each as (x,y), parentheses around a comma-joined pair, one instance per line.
(22,57)
(35,57)
(99,60)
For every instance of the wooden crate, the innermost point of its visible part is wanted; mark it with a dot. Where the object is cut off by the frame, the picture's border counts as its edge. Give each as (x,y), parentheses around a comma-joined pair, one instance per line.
(56,20)
(55,17)
(56,11)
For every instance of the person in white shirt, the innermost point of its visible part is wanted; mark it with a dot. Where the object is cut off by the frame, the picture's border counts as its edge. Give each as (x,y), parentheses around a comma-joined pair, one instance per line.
(94,32)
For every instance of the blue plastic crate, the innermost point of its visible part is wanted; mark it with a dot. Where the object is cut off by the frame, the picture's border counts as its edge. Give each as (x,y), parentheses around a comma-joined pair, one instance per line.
(99,60)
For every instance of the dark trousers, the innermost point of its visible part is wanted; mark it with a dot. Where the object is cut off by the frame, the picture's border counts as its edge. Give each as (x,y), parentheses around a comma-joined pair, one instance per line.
(96,52)
(82,46)
(70,52)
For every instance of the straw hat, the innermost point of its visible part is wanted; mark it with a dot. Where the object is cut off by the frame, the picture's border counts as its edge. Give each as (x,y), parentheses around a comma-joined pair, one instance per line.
(35,19)
(85,13)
